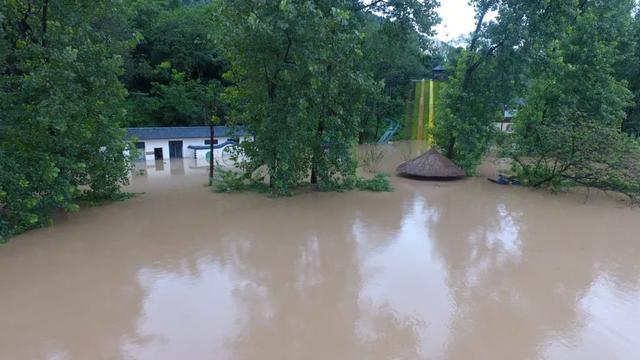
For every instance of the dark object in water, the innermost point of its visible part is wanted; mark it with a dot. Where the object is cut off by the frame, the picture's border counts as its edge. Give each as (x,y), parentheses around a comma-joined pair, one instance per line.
(431,165)
(503,180)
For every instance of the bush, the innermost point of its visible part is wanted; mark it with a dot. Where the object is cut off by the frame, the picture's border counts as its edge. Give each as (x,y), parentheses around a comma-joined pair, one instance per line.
(61,107)
(370,157)
(225,181)
(229,181)
(379,183)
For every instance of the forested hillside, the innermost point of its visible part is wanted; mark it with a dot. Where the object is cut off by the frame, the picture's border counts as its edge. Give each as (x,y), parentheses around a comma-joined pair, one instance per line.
(175,73)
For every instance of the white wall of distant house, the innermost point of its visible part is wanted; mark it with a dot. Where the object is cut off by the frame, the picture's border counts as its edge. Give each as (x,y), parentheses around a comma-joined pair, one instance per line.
(151,145)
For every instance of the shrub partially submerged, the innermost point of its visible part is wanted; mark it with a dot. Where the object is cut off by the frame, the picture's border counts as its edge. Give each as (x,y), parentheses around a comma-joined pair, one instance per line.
(369,158)
(379,183)
(229,181)
(225,181)
(609,169)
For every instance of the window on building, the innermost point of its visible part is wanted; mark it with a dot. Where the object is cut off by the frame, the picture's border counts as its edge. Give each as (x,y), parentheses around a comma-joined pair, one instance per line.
(208,142)
(140,148)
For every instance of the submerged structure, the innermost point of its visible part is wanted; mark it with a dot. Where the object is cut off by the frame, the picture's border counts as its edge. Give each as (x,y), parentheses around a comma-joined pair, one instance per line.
(431,165)
(158,143)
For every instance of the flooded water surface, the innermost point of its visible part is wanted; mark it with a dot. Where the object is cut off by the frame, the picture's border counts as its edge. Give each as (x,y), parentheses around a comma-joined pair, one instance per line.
(433,270)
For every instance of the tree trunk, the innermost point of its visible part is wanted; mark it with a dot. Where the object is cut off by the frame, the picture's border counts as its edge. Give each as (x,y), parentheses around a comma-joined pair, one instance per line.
(316,156)
(450,147)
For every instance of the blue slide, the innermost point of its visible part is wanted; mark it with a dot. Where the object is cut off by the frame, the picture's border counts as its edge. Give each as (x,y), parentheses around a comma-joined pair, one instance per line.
(388,135)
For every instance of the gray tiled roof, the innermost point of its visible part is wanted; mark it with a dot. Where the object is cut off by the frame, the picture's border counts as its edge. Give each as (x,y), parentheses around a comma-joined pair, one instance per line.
(179,132)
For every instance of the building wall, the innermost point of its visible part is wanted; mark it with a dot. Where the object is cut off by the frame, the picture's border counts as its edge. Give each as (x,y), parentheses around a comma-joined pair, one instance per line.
(150,145)
(201,154)
(158,171)
(505,126)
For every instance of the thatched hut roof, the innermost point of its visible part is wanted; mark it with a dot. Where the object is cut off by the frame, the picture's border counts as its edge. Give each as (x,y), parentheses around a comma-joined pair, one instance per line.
(431,165)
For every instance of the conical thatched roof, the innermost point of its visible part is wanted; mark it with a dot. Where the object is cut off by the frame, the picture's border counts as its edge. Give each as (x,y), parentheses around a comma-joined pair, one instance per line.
(431,165)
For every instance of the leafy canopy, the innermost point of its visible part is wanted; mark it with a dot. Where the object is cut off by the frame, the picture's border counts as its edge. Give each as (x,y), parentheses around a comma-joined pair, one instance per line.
(61,106)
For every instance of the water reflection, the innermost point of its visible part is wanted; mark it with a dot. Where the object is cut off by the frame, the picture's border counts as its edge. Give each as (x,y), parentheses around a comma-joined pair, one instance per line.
(405,289)
(163,168)
(188,294)
(434,270)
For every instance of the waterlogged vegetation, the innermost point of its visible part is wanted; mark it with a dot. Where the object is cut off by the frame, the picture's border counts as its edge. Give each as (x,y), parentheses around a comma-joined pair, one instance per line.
(569,69)
(61,106)
(300,85)
(228,180)
(309,80)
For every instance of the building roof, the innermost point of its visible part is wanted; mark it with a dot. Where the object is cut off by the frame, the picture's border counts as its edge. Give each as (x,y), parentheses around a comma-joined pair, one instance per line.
(180,132)
(431,165)
(438,68)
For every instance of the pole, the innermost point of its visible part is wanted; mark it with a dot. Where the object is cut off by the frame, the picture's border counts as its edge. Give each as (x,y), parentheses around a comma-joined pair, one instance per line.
(211,136)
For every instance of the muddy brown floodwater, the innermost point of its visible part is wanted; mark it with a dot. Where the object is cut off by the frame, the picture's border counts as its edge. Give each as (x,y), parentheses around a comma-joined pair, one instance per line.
(459,270)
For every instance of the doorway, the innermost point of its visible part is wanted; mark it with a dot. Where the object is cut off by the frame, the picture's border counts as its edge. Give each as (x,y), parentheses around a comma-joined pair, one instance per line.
(157,153)
(175,149)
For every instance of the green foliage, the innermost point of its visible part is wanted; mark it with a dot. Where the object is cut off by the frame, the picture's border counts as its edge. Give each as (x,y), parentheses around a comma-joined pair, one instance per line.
(627,69)
(61,106)
(395,54)
(370,157)
(569,130)
(379,183)
(226,181)
(92,200)
(229,181)
(177,101)
(299,87)
(303,82)
(569,63)
(464,128)
(486,75)
(174,74)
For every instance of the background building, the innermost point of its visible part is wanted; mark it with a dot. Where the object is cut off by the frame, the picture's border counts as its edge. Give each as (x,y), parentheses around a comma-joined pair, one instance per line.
(156,143)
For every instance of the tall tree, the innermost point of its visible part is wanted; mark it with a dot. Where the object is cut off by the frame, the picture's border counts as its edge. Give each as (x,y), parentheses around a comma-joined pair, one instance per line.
(61,106)
(504,57)
(570,129)
(294,66)
(480,85)
(630,70)
(300,81)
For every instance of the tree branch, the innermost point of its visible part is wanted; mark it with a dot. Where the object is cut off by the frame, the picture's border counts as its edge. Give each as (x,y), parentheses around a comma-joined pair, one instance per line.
(45,8)
(371,5)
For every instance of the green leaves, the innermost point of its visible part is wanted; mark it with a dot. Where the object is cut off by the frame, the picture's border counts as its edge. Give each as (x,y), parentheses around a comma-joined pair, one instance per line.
(299,87)
(569,130)
(174,74)
(61,105)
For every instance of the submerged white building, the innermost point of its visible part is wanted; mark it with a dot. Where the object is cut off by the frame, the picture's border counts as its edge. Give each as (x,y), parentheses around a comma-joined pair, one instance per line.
(158,143)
